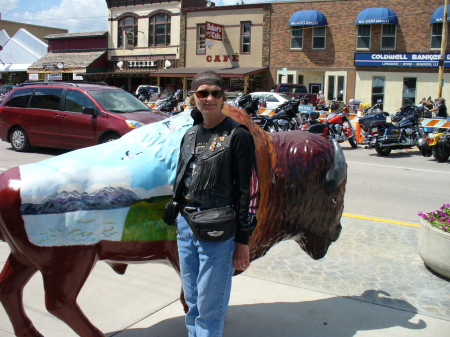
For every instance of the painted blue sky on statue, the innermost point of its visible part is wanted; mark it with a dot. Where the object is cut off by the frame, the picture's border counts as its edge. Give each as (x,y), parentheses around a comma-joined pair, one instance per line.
(84,196)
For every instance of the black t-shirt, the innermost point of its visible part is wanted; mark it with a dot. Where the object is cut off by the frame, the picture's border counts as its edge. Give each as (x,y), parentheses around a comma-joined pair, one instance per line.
(442,112)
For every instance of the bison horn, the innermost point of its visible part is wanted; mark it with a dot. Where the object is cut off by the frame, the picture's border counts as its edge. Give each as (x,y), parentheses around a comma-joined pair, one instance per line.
(338,171)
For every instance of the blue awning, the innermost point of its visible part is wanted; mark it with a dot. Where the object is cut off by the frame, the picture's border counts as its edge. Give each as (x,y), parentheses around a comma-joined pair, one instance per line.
(380,15)
(308,18)
(438,15)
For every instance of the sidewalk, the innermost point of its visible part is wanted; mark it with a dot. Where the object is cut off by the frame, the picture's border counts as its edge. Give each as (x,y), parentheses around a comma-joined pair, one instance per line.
(371,283)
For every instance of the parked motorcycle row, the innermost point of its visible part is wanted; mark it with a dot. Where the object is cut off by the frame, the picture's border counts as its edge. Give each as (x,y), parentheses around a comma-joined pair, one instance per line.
(286,118)
(382,131)
(411,126)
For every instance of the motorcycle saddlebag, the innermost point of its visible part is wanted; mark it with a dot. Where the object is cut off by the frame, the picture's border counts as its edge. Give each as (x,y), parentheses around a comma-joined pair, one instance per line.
(392,134)
(372,121)
(315,128)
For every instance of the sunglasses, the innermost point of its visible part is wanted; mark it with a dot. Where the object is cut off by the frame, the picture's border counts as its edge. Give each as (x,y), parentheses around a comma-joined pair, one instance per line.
(206,93)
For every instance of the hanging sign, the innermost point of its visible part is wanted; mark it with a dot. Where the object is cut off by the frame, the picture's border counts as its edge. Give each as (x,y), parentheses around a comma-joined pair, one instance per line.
(213,31)
(53,65)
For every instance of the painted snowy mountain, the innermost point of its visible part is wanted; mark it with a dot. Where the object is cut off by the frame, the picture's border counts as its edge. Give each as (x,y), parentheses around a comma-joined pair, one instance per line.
(104,198)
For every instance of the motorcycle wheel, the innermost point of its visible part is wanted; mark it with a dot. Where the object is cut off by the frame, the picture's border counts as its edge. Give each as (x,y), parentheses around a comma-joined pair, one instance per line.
(441,153)
(383,151)
(352,142)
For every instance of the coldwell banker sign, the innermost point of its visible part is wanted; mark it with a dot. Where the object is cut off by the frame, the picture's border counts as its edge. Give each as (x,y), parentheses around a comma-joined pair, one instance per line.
(213,31)
(400,60)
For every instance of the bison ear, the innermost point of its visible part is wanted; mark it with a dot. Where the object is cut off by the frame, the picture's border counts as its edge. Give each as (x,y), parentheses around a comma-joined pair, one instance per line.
(337,173)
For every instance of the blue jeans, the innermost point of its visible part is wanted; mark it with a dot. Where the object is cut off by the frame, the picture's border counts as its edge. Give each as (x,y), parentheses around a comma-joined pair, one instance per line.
(206,270)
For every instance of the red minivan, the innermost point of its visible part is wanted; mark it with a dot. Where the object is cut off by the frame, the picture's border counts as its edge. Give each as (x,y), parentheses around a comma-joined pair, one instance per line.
(70,115)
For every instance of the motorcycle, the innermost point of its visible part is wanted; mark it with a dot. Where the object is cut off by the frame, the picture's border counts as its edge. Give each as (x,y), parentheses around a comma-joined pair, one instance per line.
(436,141)
(170,104)
(377,108)
(284,119)
(401,133)
(337,126)
(248,103)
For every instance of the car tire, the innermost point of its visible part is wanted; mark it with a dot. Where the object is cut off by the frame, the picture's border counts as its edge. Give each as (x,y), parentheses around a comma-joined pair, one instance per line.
(110,137)
(19,140)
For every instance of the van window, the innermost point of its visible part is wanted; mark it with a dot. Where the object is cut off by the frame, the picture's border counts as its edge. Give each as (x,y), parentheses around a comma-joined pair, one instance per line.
(46,98)
(20,98)
(75,101)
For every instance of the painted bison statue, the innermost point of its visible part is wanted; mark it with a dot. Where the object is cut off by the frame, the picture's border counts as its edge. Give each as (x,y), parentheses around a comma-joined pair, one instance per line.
(60,216)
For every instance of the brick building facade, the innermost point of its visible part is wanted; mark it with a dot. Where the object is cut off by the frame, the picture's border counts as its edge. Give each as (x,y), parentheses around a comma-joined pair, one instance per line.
(335,70)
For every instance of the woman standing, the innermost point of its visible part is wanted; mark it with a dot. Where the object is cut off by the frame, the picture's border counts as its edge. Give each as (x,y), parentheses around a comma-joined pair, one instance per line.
(216,188)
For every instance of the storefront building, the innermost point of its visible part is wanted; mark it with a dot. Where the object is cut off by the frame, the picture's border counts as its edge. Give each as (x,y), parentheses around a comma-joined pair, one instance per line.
(232,40)
(144,38)
(70,56)
(366,50)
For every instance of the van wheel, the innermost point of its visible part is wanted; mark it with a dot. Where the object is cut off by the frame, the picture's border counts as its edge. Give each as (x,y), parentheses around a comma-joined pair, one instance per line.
(109,138)
(19,140)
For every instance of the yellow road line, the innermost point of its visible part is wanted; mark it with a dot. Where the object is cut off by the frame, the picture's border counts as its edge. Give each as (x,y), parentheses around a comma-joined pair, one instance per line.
(379,220)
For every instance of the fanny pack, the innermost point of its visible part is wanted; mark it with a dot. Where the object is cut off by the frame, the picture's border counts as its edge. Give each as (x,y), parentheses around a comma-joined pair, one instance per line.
(211,225)
(171,212)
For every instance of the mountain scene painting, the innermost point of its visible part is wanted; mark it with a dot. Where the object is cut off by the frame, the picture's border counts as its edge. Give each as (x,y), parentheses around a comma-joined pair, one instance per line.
(115,191)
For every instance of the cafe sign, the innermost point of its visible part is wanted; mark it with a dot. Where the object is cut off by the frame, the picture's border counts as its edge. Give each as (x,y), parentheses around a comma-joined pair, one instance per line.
(213,31)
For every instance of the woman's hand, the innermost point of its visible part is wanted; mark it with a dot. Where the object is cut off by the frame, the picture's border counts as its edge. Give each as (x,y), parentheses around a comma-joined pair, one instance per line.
(241,258)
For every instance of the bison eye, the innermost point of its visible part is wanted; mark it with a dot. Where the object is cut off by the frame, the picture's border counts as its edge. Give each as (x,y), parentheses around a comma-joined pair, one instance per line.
(334,200)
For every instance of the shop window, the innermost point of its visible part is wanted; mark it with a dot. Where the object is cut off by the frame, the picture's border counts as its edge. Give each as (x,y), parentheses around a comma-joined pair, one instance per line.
(245,37)
(388,36)
(409,90)
(363,37)
(297,37)
(287,79)
(159,29)
(319,34)
(340,88)
(201,31)
(336,87)
(331,86)
(127,33)
(436,36)
(46,98)
(377,89)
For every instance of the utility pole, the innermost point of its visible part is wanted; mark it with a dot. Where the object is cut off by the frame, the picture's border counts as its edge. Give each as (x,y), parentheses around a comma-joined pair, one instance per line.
(443,48)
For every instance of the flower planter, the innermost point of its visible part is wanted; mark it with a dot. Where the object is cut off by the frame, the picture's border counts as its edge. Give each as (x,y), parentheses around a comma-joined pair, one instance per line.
(434,248)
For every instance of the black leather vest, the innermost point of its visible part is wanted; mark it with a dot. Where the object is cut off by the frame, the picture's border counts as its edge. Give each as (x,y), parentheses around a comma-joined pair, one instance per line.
(212,179)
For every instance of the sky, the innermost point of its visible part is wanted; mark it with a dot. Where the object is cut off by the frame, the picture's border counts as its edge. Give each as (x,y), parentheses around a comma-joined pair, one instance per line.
(74,15)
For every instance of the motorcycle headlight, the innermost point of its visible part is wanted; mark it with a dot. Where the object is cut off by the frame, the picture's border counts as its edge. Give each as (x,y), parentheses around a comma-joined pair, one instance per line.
(132,124)
(338,127)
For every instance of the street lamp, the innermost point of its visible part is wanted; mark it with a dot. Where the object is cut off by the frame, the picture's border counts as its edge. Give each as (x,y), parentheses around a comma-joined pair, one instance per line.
(443,49)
